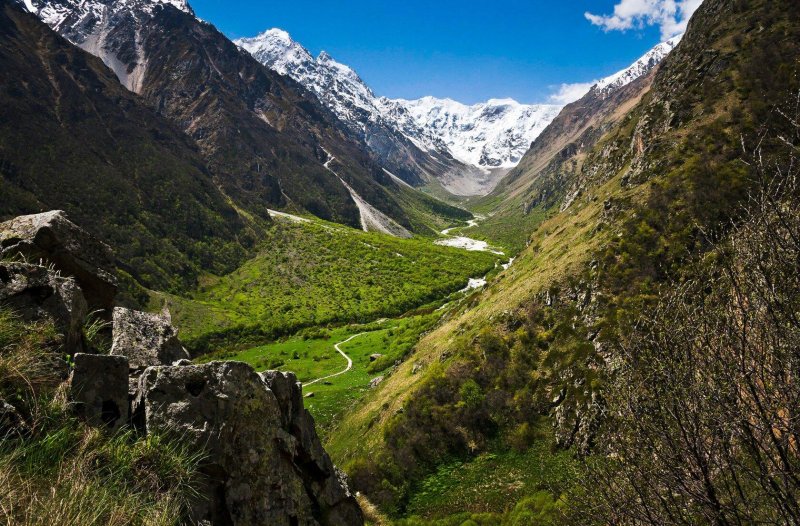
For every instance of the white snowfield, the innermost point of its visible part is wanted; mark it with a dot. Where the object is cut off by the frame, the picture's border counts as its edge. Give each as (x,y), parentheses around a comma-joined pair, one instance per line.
(465,242)
(295,219)
(492,134)
(474,283)
(396,179)
(474,245)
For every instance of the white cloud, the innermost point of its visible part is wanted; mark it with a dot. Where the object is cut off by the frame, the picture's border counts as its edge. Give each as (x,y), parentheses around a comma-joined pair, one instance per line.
(567,93)
(671,16)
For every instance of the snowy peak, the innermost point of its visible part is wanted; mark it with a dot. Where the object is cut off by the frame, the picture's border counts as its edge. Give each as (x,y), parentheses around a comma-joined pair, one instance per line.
(640,68)
(491,134)
(276,49)
(335,85)
(56,12)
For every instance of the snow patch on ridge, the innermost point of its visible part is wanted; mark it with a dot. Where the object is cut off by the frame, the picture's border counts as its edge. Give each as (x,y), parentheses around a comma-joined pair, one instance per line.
(572,92)
(372,219)
(473,245)
(638,69)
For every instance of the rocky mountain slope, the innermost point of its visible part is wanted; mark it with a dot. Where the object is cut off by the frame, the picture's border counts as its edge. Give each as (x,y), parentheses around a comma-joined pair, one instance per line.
(72,137)
(264,138)
(528,359)
(417,140)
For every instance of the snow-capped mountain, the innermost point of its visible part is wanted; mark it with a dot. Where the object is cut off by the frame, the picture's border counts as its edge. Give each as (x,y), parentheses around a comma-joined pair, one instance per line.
(341,89)
(109,29)
(261,134)
(335,84)
(494,134)
(55,12)
(641,67)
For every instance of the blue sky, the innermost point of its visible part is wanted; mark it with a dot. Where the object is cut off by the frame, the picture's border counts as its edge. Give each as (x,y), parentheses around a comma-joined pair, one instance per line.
(467,50)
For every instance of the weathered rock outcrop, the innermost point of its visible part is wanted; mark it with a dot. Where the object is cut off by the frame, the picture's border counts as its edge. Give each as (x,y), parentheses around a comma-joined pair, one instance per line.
(37,293)
(99,388)
(265,463)
(145,339)
(54,239)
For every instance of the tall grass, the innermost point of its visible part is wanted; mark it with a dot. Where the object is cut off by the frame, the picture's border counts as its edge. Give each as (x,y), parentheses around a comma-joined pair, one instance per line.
(58,471)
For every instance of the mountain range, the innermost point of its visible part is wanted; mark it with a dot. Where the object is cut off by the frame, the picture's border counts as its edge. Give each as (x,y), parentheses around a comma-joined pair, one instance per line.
(264,137)
(467,149)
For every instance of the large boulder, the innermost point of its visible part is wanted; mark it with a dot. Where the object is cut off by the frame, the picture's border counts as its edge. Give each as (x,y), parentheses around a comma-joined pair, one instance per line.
(38,293)
(99,389)
(54,239)
(145,339)
(302,443)
(258,470)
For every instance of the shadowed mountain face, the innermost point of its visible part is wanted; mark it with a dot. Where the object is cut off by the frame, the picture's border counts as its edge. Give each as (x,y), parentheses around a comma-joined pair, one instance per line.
(264,137)
(72,138)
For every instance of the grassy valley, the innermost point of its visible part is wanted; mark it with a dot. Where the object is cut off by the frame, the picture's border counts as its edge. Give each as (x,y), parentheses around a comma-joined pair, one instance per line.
(314,273)
(629,358)
(312,356)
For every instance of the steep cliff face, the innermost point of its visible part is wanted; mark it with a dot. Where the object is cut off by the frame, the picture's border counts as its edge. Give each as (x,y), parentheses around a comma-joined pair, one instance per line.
(73,138)
(263,136)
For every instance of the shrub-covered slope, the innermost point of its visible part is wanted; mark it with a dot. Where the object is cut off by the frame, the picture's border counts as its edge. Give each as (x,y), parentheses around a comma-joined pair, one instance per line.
(72,138)
(654,194)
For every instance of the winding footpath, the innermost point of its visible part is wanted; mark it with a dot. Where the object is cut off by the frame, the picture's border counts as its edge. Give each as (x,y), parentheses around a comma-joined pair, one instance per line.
(349,361)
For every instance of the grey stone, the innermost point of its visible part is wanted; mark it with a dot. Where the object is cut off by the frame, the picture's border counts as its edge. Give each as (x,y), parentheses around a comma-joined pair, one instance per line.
(145,339)
(289,393)
(375,357)
(53,238)
(375,382)
(265,463)
(182,362)
(11,422)
(37,293)
(99,388)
